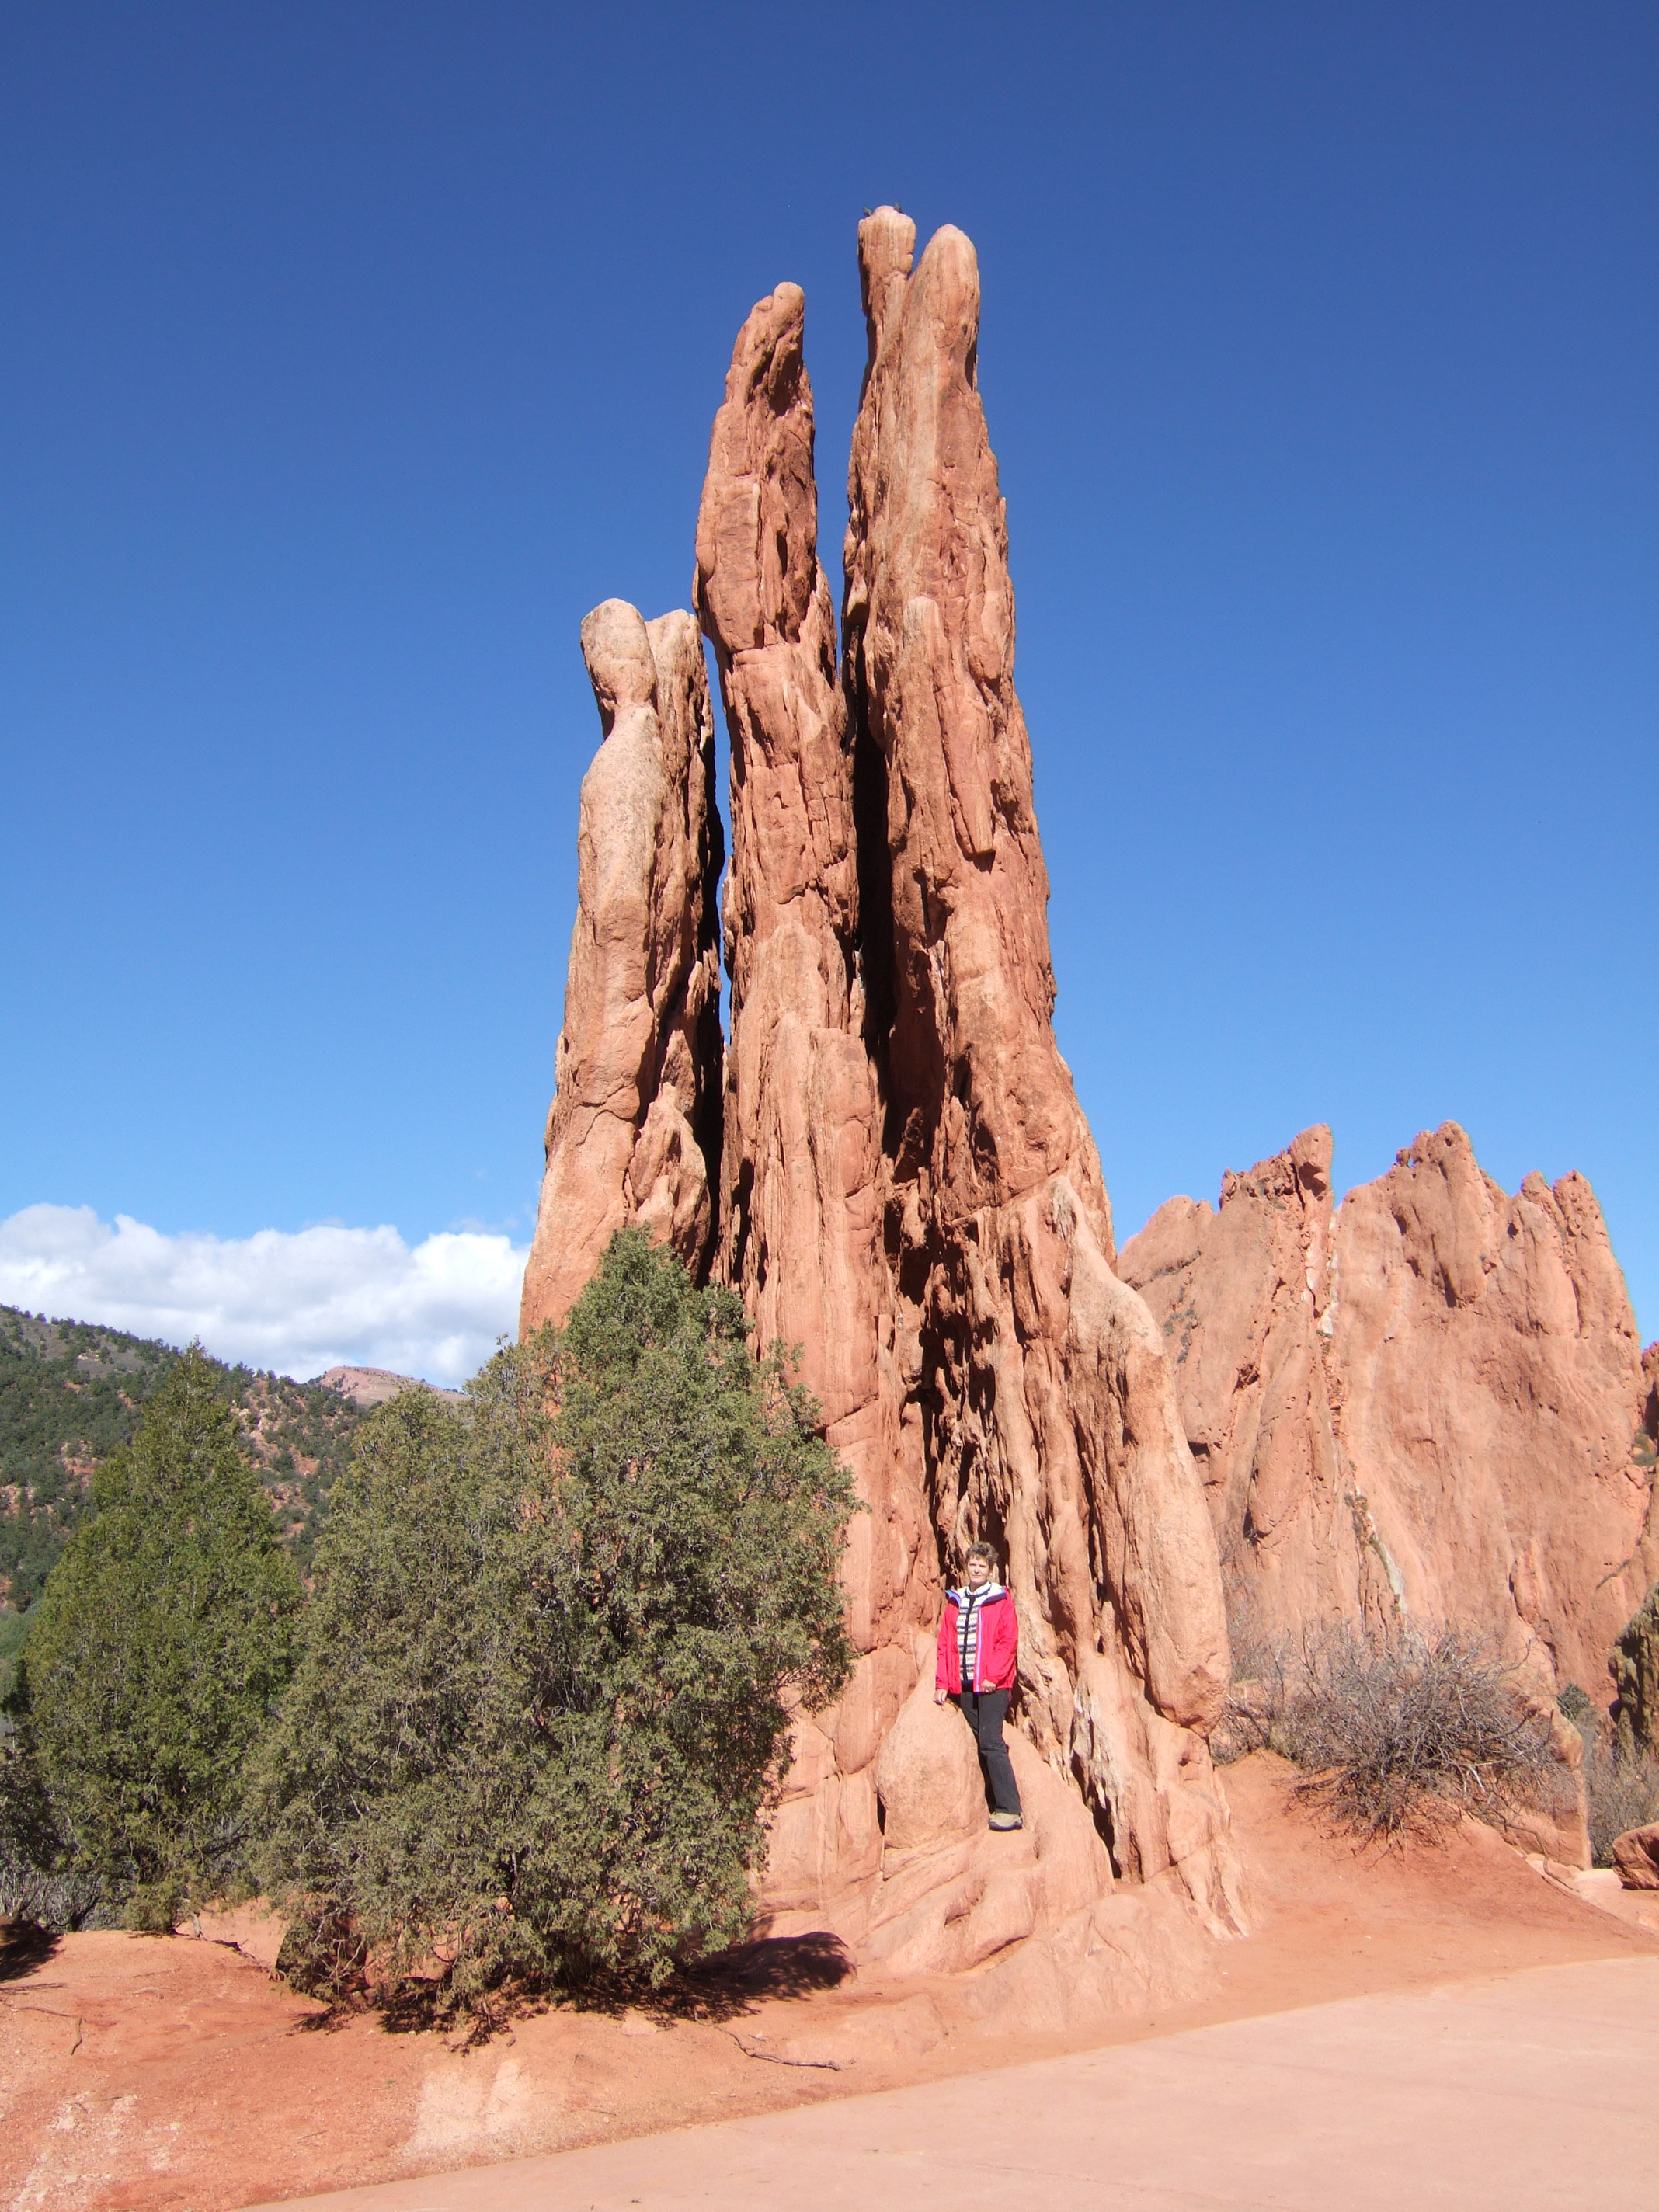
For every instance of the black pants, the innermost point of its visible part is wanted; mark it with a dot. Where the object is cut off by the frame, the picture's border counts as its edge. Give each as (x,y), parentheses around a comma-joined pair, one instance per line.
(985,1714)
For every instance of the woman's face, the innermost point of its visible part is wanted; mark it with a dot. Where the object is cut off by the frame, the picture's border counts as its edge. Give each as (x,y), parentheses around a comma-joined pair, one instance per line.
(979,1572)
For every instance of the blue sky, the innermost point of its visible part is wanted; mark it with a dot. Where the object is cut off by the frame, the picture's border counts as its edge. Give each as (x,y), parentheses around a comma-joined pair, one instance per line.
(351,353)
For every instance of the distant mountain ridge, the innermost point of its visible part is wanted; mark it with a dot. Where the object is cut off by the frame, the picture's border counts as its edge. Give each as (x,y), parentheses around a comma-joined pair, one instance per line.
(368,1387)
(73,1392)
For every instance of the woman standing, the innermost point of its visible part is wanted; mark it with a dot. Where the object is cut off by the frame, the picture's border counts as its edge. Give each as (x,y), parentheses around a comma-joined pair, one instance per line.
(978,1656)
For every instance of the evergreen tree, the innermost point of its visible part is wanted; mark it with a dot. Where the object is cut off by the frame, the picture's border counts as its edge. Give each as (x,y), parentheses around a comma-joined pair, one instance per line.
(546,1682)
(155,1655)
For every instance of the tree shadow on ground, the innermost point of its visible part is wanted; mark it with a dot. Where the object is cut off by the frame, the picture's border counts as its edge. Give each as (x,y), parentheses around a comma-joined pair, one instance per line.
(715,1990)
(773,1967)
(23,1946)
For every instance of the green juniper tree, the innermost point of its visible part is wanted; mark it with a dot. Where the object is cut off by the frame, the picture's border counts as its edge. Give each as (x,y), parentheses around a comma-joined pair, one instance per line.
(545,1683)
(154,1658)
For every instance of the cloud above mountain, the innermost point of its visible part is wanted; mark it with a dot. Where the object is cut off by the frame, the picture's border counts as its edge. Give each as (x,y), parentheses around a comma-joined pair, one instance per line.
(297,1302)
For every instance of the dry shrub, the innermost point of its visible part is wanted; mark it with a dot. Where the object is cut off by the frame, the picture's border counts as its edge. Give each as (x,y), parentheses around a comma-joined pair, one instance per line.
(1621,1773)
(1259,1691)
(1412,1735)
(1622,1785)
(1399,1737)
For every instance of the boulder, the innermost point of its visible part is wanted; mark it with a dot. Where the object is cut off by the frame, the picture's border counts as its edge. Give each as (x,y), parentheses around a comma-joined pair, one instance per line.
(1636,1855)
(633,1134)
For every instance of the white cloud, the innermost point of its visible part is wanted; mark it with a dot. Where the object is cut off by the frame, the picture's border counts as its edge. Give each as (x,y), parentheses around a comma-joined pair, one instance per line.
(297,1303)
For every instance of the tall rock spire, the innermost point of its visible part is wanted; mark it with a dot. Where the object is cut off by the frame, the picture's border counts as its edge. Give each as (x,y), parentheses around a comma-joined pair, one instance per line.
(802,1178)
(909,1191)
(892,1168)
(633,1134)
(1039,1406)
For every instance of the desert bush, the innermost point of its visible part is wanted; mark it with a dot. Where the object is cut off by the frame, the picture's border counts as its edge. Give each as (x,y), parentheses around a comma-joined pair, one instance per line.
(1400,1735)
(1621,1782)
(546,1675)
(1621,1773)
(1263,1666)
(153,1659)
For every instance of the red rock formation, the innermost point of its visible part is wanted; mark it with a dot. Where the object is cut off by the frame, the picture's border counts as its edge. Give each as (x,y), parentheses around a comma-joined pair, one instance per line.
(1242,1297)
(633,1134)
(1420,1405)
(1037,1403)
(1429,1406)
(801,1177)
(909,1191)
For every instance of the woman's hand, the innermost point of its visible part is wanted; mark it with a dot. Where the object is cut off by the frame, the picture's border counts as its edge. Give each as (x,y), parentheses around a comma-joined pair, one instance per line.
(939,1696)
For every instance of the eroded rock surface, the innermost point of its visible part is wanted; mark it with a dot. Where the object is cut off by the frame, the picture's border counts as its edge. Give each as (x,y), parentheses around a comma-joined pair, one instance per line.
(633,1135)
(1428,1405)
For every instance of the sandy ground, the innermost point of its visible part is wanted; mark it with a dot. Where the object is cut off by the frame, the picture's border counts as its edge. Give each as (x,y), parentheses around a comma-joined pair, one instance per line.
(142,2074)
(1534,2089)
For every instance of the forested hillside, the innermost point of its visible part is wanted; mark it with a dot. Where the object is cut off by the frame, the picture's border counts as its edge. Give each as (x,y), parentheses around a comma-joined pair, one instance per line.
(71,1392)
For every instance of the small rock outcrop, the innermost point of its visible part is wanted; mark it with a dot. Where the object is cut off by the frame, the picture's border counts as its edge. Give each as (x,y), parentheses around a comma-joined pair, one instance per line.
(1426,1404)
(633,1135)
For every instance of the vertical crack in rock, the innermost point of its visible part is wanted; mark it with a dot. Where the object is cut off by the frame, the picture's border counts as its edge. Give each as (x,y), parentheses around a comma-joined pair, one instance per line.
(633,1133)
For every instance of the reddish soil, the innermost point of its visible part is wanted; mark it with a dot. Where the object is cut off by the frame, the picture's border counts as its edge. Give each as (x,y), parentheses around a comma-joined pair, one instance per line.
(141,2074)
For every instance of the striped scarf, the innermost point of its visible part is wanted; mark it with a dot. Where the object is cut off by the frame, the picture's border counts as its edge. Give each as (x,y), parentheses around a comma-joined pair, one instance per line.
(968,1604)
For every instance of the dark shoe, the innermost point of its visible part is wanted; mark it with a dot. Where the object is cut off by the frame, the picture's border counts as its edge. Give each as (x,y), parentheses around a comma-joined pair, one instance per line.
(1005,1820)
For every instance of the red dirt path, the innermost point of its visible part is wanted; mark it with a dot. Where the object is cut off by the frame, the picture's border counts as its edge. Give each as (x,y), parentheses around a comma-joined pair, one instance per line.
(173,2076)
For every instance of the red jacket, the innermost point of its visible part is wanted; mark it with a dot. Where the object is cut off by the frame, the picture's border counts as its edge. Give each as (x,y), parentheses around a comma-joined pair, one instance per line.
(998,1654)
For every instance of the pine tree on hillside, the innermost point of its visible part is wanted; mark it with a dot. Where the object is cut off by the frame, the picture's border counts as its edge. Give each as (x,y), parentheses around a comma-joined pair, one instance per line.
(156,1654)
